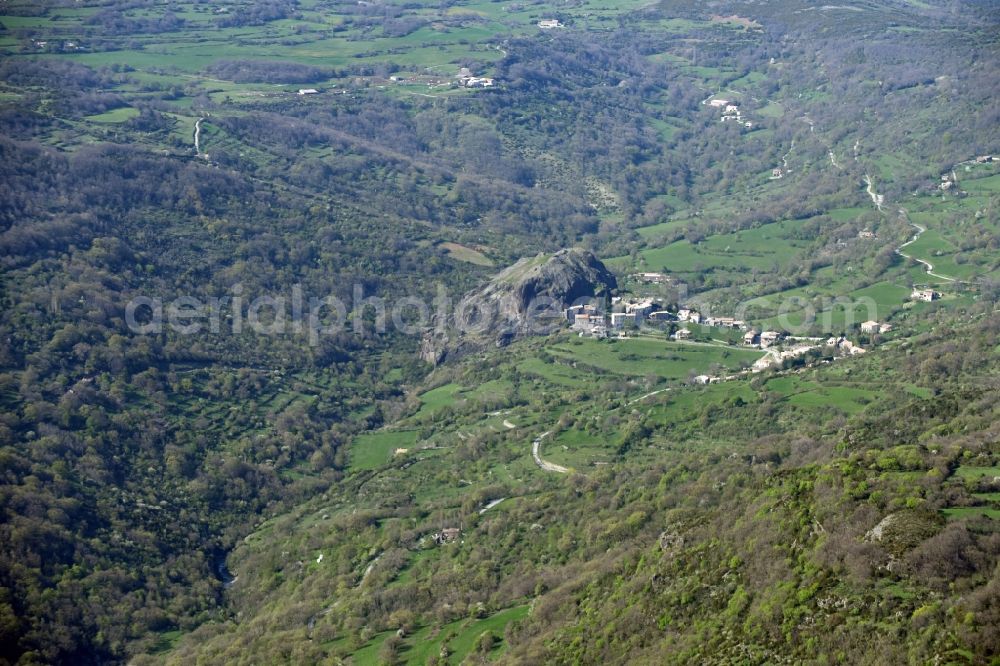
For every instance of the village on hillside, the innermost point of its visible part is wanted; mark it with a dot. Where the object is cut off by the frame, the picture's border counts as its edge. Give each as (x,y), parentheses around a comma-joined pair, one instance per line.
(632,316)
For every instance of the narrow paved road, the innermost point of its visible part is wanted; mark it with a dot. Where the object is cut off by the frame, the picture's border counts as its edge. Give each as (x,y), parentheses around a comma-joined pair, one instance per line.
(547,466)
(197,137)
(784,158)
(920,230)
(643,397)
(491,505)
(877,199)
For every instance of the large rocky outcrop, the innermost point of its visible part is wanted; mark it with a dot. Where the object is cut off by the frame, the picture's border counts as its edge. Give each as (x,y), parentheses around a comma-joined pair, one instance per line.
(526,298)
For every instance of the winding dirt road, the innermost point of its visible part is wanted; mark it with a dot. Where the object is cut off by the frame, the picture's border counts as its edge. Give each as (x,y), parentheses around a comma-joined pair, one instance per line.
(547,466)
(197,137)
(877,198)
(927,264)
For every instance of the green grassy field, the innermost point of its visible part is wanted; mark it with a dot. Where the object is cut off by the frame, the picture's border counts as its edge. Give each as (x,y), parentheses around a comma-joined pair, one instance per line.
(450,35)
(372,450)
(578,449)
(989,184)
(876,302)
(654,230)
(810,394)
(460,636)
(642,357)
(555,373)
(934,248)
(114,116)
(963,512)
(974,473)
(764,248)
(467,254)
(435,399)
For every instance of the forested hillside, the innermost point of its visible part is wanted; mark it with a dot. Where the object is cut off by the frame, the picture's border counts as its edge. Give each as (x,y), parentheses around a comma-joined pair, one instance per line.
(270,494)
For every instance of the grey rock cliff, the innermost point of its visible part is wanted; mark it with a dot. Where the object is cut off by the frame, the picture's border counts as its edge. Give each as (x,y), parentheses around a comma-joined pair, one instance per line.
(524,299)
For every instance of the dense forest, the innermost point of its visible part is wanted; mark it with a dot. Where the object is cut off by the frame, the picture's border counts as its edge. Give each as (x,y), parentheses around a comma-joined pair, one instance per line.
(233,496)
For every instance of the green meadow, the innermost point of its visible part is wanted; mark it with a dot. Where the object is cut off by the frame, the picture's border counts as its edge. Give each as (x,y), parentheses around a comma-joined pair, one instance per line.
(461,639)
(644,357)
(372,450)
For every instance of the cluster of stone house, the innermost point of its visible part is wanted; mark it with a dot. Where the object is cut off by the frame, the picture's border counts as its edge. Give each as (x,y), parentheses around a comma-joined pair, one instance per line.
(844,345)
(468,80)
(588,320)
(730,111)
(686,314)
(871,326)
(762,339)
(724,322)
(478,82)
(775,357)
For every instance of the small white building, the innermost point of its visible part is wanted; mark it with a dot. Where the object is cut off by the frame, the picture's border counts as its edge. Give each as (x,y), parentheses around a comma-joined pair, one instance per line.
(725,322)
(926,295)
(719,103)
(575,311)
(619,319)
(871,326)
(549,24)
(308,91)
(686,314)
(652,278)
(661,315)
(682,334)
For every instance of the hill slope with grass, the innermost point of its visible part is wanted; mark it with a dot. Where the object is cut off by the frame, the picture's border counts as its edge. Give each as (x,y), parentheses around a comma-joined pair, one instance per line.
(202,460)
